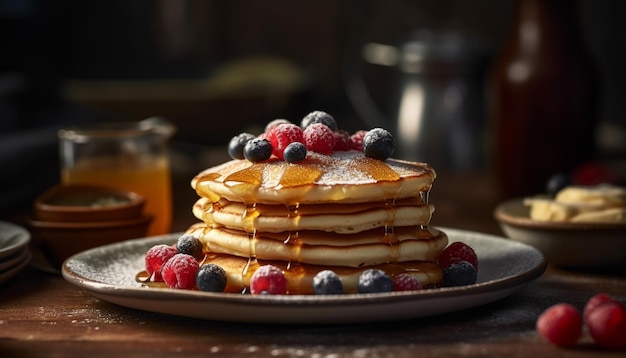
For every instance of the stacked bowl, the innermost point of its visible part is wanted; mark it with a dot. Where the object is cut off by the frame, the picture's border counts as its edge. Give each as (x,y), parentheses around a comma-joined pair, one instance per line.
(72,218)
(14,250)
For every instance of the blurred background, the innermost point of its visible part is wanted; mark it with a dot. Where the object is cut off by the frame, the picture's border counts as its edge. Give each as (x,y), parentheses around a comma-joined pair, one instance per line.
(216,68)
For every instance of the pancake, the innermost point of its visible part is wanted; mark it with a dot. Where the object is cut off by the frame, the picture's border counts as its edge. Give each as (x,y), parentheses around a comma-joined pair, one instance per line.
(344,177)
(345,250)
(300,276)
(239,216)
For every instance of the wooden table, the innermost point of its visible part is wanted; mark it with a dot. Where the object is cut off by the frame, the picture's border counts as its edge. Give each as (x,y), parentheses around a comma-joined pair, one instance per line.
(43,315)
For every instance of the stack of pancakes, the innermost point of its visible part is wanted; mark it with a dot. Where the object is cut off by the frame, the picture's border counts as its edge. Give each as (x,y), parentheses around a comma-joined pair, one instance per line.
(344,212)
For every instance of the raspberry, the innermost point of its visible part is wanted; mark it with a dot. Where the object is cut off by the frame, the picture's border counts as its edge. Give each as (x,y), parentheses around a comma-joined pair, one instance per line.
(594,302)
(460,273)
(560,324)
(356,140)
(275,123)
(190,245)
(458,251)
(405,282)
(319,138)
(607,324)
(326,282)
(180,272)
(342,141)
(374,280)
(282,135)
(211,278)
(268,279)
(378,143)
(156,257)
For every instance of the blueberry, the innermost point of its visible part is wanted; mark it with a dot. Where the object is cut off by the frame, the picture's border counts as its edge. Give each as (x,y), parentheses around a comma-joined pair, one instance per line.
(190,245)
(257,150)
(378,143)
(459,274)
(294,152)
(211,278)
(374,280)
(237,143)
(319,117)
(557,182)
(326,282)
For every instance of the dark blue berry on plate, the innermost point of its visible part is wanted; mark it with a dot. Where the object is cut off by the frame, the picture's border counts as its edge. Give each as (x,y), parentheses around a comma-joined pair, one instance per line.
(556,183)
(319,117)
(211,278)
(378,143)
(461,273)
(374,280)
(190,245)
(237,143)
(258,150)
(294,152)
(326,282)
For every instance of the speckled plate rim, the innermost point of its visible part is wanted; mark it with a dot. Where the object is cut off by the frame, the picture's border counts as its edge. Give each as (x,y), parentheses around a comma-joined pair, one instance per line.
(12,238)
(514,212)
(108,272)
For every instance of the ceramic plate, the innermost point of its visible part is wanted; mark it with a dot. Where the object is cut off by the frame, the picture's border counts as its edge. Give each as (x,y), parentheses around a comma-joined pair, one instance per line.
(108,273)
(12,239)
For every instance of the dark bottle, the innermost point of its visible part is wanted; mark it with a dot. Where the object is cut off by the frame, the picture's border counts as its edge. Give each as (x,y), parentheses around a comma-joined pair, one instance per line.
(542,98)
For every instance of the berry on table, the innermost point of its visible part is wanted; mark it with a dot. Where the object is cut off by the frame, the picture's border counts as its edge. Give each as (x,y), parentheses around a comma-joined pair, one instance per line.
(326,282)
(378,143)
(560,324)
(405,282)
(190,245)
(607,324)
(237,143)
(319,138)
(156,257)
(594,302)
(257,150)
(211,278)
(458,251)
(319,117)
(460,273)
(295,152)
(180,272)
(374,280)
(268,279)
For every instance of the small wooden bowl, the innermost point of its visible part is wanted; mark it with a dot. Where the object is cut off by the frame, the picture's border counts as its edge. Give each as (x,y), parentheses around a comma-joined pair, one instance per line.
(86,203)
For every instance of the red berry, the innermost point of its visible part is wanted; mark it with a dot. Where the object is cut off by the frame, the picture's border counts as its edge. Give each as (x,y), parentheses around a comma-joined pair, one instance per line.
(180,272)
(457,252)
(319,138)
(607,324)
(282,135)
(594,302)
(356,140)
(342,141)
(156,257)
(405,282)
(268,279)
(560,324)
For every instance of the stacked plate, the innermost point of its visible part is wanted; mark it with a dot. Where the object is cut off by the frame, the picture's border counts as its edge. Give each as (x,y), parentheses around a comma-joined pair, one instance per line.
(14,251)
